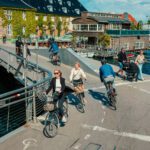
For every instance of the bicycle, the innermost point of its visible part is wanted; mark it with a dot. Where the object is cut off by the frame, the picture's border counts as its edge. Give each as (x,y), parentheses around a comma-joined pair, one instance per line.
(111,93)
(56,61)
(53,117)
(78,87)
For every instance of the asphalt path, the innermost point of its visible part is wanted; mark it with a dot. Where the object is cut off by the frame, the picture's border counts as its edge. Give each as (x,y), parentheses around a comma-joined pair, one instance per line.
(124,129)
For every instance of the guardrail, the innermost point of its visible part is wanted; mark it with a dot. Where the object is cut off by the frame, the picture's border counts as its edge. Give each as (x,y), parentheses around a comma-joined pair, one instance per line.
(22,105)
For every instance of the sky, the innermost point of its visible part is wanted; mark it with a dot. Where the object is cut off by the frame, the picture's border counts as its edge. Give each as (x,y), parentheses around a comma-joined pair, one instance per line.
(138,8)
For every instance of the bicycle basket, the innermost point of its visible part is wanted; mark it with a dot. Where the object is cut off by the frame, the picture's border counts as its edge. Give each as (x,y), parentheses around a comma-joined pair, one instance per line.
(49,106)
(79,89)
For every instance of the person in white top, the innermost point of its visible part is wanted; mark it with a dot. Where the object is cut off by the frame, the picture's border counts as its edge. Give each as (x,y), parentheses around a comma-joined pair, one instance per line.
(77,75)
(140,61)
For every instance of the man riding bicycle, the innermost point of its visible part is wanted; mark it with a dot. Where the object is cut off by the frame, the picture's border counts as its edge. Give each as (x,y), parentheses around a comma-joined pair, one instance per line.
(107,74)
(54,50)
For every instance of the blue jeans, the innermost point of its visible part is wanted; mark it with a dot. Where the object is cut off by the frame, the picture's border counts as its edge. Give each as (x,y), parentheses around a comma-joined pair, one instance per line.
(140,75)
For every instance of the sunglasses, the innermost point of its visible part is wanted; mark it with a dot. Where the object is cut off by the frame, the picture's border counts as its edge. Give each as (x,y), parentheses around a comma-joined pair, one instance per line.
(56,72)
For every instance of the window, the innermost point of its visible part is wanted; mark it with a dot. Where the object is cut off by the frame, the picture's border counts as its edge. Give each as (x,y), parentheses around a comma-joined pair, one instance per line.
(126,46)
(8,14)
(84,27)
(64,9)
(76,27)
(93,27)
(77,11)
(139,45)
(51,1)
(24,15)
(50,8)
(45,18)
(100,27)
(116,26)
(9,29)
(69,3)
(36,17)
(60,2)
(23,30)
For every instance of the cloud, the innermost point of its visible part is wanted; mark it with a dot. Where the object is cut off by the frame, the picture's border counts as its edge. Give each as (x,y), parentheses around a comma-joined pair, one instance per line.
(138,8)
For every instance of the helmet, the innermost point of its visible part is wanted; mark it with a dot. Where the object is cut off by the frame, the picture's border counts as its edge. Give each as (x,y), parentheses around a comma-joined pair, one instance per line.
(103,61)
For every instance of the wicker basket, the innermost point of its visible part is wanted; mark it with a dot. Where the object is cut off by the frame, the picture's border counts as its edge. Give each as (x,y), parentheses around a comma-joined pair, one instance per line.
(49,106)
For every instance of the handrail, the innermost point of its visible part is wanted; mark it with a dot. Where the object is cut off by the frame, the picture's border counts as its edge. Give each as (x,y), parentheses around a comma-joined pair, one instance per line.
(30,86)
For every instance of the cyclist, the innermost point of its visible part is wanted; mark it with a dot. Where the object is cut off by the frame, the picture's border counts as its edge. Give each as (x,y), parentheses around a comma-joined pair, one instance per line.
(54,49)
(77,75)
(57,85)
(106,73)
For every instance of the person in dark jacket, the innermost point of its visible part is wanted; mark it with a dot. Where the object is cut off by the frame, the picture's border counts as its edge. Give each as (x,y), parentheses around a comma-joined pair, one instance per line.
(122,58)
(57,85)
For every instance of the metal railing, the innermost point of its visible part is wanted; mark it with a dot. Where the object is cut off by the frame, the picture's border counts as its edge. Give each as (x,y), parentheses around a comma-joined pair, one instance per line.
(22,105)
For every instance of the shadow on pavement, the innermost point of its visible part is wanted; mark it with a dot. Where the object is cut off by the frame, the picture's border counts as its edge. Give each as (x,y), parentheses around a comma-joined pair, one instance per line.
(99,96)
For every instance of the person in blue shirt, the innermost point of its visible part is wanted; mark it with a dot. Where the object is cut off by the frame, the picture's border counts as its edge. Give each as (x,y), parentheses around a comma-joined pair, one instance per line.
(54,50)
(106,73)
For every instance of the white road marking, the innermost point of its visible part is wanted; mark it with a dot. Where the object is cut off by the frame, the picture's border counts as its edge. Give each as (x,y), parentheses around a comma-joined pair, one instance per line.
(77,146)
(140,137)
(29,143)
(102,121)
(87,136)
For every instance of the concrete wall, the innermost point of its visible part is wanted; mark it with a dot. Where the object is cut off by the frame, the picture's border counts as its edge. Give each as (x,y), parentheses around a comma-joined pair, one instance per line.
(69,57)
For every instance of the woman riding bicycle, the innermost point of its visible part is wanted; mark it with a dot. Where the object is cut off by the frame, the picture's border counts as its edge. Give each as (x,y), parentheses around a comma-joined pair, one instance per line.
(76,77)
(57,85)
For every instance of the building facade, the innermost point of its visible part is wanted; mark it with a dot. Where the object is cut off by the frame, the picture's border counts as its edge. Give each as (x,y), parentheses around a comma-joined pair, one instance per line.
(91,24)
(44,16)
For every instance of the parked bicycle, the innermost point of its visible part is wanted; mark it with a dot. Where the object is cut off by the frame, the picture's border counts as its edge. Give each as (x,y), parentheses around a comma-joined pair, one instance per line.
(111,93)
(54,117)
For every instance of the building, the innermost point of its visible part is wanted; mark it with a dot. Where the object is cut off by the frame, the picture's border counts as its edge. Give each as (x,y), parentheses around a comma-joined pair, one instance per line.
(57,11)
(91,24)
(129,39)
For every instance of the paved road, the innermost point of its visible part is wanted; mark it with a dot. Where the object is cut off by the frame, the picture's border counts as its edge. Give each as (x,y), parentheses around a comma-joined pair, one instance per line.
(126,129)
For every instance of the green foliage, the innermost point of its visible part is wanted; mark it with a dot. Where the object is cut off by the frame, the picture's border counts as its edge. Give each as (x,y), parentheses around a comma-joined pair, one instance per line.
(133,26)
(74,40)
(148,22)
(17,23)
(65,24)
(39,22)
(58,25)
(30,23)
(104,40)
(50,23)
(140,25)
(3,17)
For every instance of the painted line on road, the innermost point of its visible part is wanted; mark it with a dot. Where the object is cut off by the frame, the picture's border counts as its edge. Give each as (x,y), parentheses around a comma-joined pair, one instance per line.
(140,137)
(102,121)
(77,146)
(140,89)
(87,136)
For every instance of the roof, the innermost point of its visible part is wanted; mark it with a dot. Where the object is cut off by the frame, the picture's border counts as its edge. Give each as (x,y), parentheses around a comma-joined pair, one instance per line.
(17,4)
(109,20)
(58,7)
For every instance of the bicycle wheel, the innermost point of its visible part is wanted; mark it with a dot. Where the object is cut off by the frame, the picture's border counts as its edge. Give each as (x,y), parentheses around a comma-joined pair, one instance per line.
(113,101)
(80,105)
(65,109)
(51,124)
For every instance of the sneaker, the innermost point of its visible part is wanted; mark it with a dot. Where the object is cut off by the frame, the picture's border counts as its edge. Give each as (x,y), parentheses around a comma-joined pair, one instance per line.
(64,119)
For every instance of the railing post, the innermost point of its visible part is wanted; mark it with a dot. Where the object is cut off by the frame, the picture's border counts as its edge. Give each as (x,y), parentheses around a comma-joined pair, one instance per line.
(34,106)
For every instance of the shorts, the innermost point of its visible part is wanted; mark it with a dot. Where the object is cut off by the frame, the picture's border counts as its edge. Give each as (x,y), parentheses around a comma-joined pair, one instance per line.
(120,65)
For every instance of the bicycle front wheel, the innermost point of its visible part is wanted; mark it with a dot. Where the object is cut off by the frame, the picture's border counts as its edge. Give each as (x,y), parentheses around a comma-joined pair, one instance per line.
(51,124)
(80,105)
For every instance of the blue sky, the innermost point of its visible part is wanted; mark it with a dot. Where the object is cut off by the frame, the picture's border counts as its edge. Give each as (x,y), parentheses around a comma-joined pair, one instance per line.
(138,8)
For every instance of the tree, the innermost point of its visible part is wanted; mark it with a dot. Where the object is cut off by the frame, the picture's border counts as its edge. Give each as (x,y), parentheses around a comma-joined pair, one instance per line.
(30,24)
(74,40)
(140,25)
(3,17)
(104,40)
(148,22)
(58,25)
(65,24)
(17,23)
(50,24)
(133,26)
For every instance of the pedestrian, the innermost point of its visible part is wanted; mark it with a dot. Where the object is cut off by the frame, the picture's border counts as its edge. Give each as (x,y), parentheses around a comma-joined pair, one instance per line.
(122,59)
(19,45)
(4,39)
(76,77)
(140,61)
